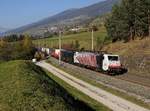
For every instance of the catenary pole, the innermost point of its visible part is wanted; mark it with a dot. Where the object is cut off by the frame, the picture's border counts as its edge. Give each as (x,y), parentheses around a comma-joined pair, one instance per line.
(60,47)
(92,39)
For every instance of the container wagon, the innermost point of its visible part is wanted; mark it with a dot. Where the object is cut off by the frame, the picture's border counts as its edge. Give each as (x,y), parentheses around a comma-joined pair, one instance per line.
(66,56)
(47,51)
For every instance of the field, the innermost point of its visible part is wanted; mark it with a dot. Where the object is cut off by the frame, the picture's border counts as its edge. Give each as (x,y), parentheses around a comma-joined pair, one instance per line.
(84,39)
(26,87)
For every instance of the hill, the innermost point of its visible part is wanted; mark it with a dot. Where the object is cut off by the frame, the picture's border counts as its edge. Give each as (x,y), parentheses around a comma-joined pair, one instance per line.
(134,54)
(25,87)
(68,17)
(3,29)
(83,38)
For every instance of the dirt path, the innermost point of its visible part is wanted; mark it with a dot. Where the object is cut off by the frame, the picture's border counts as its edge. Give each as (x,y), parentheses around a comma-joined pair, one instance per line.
(113,102)
(131,87)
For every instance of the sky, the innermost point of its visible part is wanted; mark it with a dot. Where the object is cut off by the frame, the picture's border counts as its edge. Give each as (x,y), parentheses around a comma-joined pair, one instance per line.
(16,13)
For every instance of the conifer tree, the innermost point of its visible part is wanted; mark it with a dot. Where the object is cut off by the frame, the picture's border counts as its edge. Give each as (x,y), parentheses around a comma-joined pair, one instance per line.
(129,19)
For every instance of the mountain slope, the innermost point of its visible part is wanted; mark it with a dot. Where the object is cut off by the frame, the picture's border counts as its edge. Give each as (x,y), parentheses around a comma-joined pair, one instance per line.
(3,29)
(68,17)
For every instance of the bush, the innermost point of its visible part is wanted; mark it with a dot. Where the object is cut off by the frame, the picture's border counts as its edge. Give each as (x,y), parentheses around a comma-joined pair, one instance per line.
(22,50)
(39,56)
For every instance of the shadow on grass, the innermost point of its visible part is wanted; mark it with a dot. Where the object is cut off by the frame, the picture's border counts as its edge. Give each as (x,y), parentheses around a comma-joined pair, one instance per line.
(61,92)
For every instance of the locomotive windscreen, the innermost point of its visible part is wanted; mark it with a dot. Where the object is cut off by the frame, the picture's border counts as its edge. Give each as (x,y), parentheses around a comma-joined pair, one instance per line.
(113,58)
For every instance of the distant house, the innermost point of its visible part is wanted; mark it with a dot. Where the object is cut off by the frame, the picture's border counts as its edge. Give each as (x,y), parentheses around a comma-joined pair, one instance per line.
(54,29)
(76,29)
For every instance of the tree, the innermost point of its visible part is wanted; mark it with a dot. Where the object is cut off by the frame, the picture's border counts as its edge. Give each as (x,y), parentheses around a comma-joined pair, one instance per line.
(147,5)
(149,21)
(16,50)
(27,42)
(99,43)
(2,43)
(128,20)
(116,24)
(94,28)
(28,49)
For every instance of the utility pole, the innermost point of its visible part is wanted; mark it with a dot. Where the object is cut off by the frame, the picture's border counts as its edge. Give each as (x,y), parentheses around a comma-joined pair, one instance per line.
(46,44)
(40,43)
(60,47)
(92,39)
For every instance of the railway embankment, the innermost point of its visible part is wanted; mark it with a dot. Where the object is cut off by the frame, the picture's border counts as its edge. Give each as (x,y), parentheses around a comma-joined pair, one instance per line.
(129,89)
(113,102)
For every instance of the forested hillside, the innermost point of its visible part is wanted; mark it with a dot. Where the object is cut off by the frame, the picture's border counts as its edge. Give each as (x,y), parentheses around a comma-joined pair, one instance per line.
(129,19)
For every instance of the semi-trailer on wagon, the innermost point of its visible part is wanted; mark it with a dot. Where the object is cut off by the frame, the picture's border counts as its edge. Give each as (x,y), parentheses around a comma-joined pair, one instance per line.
(99,61)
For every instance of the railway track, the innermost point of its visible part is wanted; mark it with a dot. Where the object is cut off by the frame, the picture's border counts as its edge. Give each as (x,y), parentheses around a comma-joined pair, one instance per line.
(132,83)
(133,78)
(137,79)
(113,102)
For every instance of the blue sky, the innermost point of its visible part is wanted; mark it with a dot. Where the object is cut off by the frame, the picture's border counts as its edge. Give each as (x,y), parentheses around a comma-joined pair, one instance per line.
(16,13)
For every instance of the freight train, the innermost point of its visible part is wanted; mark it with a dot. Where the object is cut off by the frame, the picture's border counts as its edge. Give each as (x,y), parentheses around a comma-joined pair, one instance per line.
(98,61)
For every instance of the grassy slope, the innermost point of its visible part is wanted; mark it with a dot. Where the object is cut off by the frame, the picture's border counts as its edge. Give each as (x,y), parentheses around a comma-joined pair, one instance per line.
(25,87)
(78,95)
(83,38)
(136,46)
(135,55)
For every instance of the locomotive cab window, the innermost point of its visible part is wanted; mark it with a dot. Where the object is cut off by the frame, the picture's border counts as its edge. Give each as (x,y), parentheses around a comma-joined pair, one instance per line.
(113,58)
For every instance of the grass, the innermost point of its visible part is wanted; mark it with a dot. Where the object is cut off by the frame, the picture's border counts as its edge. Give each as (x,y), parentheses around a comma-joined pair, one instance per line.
(84,39)
(26,87)
(137,46)
(133,54)
(79,95)
(113,91)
